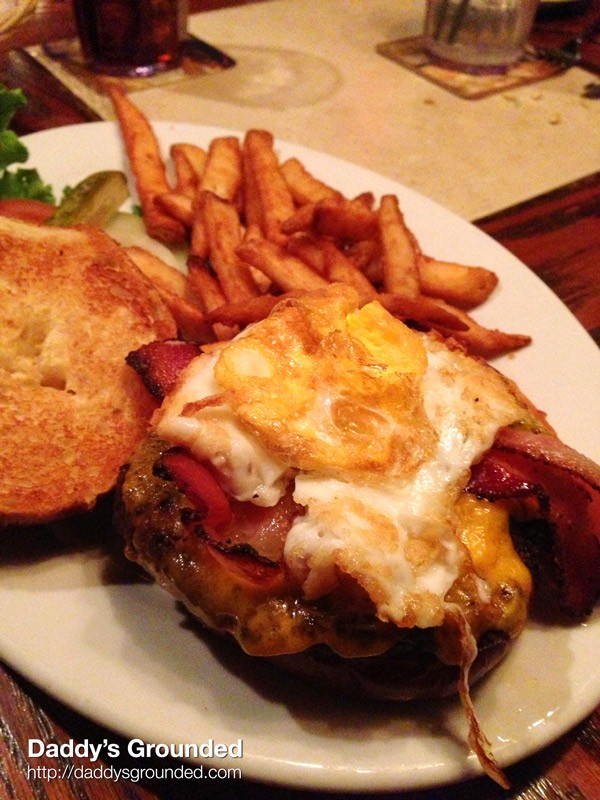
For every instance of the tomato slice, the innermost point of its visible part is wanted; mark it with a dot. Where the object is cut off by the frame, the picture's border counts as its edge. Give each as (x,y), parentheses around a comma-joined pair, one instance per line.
(199,485)
(27,210)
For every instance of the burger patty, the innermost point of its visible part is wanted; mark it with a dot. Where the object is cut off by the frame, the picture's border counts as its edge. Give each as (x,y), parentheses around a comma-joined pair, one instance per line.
(334,641)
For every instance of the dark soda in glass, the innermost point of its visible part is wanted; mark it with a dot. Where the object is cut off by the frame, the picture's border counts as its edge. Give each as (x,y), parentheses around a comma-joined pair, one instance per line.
(129,37)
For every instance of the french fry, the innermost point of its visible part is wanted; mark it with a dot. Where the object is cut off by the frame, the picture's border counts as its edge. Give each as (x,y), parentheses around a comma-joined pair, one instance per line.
(266,228)
(204,285)
(223,233)
(305,188)
(223,169)
(276,202)
(209,294)
(178,205)
(190,320)
(252,233)
(186,179)
(198,237)
(174,291)
(189,161)
(481,341)
(490,343)
(251,205)
(148,168)
(222,176)
(399,252)
(248,312)
(263,283)
(285,270)
(308,248)
(460,285)
(366,198)
(345,220)
(327,259)
(364,255)
(421,310)
(424,310)
(160,273)
(340,269)
(373,267)
(301,220)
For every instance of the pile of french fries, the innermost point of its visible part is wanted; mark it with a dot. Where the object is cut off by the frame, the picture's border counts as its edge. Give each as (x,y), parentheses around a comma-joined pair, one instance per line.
(259,229)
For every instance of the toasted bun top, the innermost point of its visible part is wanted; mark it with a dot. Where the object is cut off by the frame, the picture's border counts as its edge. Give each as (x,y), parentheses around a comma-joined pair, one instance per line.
(72,305)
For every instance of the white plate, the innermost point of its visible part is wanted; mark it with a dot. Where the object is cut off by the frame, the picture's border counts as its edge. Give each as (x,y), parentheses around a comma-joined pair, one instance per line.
(124,654)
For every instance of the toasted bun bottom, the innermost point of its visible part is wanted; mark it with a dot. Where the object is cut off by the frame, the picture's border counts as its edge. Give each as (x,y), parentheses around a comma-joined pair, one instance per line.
(72,306)
(392,676)
(402,674)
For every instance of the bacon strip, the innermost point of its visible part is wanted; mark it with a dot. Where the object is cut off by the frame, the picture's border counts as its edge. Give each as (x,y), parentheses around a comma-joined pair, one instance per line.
(567,487)
(199,485)
(251,546)
(242,561)
(245,539)
(159,364)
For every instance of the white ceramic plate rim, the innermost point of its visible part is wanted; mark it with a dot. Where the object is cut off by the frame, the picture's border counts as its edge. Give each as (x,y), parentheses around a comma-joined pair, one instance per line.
(123,655)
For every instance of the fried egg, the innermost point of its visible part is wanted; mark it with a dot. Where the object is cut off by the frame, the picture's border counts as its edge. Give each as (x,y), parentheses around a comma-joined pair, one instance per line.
(375,425)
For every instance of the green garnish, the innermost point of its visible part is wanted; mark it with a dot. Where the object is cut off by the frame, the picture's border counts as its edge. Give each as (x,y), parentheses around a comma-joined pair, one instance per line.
(17,183)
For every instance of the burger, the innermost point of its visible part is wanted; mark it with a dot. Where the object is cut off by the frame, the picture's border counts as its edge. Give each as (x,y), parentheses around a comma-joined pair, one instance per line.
(362,502)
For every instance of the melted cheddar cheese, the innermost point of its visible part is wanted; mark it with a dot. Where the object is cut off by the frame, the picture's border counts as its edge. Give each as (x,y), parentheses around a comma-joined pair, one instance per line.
(483,527)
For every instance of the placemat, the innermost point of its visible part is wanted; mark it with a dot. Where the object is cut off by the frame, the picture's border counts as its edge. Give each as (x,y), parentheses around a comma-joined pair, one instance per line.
(411,54)
(63,58)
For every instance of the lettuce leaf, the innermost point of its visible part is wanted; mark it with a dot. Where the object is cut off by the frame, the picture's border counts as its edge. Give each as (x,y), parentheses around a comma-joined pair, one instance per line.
(12,149)
(24,184)
(11,100)
(19,183)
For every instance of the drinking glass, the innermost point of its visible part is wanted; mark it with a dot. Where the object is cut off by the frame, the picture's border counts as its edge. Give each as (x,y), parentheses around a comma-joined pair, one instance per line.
(131,37)
(478,35)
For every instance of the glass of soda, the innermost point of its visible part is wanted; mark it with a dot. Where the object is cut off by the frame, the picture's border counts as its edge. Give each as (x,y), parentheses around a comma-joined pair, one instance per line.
(133,38)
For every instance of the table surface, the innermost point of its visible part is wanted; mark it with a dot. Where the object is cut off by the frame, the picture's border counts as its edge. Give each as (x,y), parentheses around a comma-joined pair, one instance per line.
(557,234)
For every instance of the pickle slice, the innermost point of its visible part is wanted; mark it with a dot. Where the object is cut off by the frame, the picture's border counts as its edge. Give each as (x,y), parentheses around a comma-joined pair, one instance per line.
(94,201)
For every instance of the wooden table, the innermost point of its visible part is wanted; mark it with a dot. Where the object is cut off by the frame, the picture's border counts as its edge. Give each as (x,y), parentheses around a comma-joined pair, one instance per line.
(557,235)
